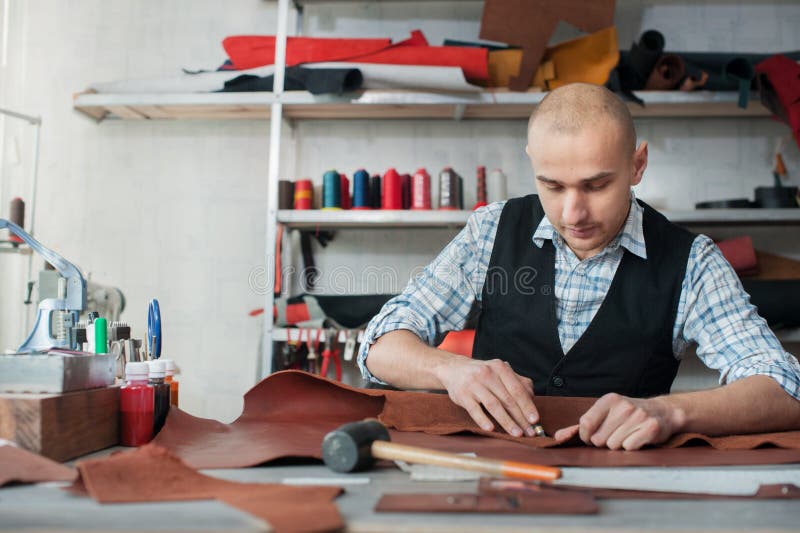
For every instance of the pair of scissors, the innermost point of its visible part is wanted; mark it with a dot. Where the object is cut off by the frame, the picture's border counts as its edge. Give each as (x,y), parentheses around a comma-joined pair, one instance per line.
(154,328)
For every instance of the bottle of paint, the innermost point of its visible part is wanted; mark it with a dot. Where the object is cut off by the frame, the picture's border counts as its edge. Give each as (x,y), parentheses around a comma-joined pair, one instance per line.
(170,379)
(100,335)
(136,406)
(161,391)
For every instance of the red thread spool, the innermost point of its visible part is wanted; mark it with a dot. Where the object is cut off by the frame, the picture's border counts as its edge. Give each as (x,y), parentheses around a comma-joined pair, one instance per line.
(346,204)
(392,193)
(405,190)
(303,194)
(421,190)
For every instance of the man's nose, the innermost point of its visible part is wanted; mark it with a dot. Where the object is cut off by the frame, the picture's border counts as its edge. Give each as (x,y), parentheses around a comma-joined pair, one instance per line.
(574,210)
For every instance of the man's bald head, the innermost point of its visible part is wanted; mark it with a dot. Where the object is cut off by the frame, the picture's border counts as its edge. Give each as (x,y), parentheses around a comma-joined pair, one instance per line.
(571,108)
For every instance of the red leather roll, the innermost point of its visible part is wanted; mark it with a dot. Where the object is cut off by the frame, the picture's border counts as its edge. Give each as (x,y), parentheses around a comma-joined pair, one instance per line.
(392,193)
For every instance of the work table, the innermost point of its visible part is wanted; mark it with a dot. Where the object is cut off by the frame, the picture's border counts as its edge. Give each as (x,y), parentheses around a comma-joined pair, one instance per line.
(48,508)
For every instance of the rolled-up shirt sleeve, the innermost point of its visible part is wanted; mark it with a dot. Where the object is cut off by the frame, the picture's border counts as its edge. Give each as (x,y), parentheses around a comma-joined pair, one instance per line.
(730,334)
(440,298)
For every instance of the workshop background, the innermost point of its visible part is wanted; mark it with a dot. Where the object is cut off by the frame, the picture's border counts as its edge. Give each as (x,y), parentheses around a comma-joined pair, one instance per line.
(176,209)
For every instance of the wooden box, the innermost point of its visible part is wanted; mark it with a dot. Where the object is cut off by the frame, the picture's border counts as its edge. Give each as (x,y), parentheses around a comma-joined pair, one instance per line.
(61,426)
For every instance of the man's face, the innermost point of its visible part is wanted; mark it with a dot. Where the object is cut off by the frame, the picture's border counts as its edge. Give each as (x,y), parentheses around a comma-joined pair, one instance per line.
(584,182)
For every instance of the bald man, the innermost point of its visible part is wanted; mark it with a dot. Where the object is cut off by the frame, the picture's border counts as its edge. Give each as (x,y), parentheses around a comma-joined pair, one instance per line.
(585,291)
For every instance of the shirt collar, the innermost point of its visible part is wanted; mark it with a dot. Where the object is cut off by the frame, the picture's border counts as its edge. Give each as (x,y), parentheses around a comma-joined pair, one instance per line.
(631,237)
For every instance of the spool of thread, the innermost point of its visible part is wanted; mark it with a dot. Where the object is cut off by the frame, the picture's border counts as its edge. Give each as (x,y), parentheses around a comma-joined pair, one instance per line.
(361,190)
(496,187)
(331,190)
(460,196)
(285,194)
(303,194)
(405,190)
(375,195)
(17,216)
(448,189)
(421,190)
(317,196)
(345,187)
(480,192)
(392,193)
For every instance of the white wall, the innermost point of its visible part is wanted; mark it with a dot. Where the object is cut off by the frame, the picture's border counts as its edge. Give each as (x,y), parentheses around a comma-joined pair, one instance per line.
(175,209)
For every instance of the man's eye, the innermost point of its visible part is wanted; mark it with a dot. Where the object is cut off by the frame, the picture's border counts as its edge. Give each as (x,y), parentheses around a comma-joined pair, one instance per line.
(554,187)
(597,187)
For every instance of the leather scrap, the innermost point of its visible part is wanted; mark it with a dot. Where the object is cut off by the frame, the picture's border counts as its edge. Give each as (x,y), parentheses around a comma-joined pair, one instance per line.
(529,24)
(288,413)
(587,59)
(23,466)
(153,474)
(251,51)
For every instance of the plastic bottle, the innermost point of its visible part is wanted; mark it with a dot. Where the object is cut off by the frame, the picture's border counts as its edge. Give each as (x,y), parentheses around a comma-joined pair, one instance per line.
(161,390)
(100,335)
(136,400)
(173,383)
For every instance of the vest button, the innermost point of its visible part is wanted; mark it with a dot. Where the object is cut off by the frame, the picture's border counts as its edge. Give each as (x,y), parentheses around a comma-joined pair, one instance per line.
(558,381)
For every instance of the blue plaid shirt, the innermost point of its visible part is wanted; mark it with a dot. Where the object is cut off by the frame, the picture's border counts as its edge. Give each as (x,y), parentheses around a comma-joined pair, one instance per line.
(714,311)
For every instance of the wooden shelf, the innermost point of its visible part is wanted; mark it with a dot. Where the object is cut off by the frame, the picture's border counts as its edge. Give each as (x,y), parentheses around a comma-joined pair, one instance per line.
(379,219)
(301,105)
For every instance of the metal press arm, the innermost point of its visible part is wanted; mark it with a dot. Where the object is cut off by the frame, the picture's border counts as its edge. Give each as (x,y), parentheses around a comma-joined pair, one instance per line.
(74,301)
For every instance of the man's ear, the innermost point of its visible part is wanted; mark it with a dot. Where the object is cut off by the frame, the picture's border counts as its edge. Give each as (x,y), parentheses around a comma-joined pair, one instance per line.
(639,163)
(528,150)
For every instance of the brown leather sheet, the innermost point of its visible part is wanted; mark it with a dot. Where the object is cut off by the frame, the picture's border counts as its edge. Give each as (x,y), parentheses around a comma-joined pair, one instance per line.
(152,474)
(22,466)
(288,414)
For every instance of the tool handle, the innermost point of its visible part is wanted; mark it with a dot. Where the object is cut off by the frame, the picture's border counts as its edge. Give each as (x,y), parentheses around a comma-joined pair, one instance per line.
(412,454)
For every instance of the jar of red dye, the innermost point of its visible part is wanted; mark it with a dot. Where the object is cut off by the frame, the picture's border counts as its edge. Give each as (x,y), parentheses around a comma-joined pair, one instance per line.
(136,400)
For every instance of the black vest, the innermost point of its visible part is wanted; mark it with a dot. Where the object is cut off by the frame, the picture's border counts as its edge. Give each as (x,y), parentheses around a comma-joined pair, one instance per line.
(627,347)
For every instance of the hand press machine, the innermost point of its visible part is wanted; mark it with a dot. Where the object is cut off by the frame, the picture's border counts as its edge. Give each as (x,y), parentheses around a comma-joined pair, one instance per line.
(46,361)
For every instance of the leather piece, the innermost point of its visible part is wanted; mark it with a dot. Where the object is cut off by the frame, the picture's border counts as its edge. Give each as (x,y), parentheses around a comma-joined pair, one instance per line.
(587,59)
(250,51)
(152,474)
(23,466)
(529,24)
(781,491)
(288,414)
(545,502)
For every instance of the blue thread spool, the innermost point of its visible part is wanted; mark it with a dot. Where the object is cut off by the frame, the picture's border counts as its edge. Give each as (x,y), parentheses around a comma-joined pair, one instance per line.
(331,190)
(361,198)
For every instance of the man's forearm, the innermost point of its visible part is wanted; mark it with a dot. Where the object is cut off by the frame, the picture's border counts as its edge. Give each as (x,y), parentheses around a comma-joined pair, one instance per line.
(401,359)
(750,405)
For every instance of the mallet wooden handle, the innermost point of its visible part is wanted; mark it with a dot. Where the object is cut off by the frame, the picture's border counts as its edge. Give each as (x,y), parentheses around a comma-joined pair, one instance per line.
(411,454)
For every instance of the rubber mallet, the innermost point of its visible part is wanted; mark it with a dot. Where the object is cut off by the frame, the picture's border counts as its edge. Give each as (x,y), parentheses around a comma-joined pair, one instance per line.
(357,445)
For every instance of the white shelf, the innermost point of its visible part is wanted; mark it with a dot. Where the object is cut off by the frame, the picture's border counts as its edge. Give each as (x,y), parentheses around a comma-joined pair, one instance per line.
(378,218)
(375,104)
(313,219)
(282,335)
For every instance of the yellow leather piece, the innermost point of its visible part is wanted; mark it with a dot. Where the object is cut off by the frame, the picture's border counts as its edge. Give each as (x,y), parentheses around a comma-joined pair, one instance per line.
(587,59)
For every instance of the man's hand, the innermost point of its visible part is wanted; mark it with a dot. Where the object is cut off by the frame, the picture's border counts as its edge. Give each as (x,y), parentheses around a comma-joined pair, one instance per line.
(618,422)
(508,397)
